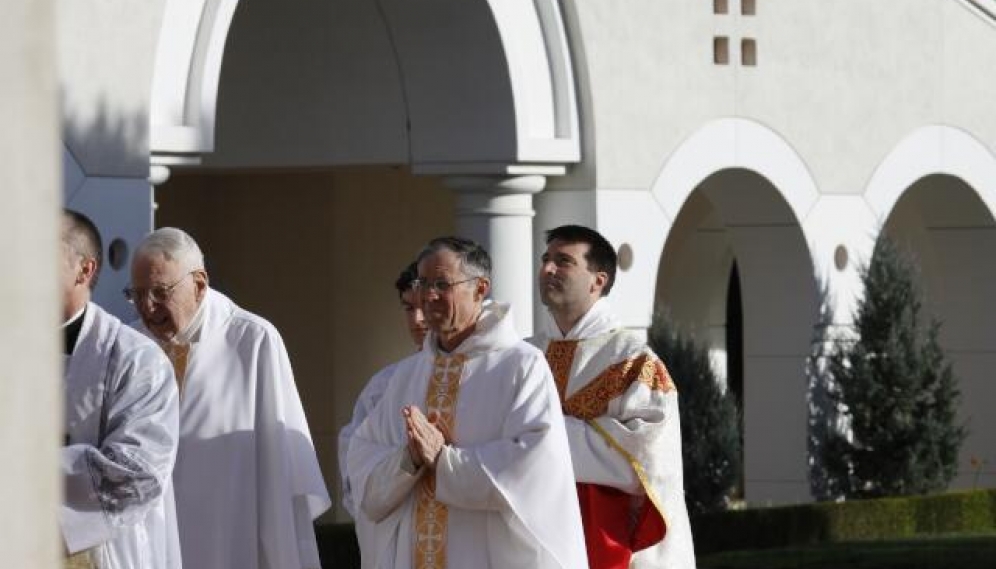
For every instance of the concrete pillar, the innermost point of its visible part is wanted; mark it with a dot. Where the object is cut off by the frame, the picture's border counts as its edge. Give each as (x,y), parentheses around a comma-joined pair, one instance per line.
(497,212)
(30,383)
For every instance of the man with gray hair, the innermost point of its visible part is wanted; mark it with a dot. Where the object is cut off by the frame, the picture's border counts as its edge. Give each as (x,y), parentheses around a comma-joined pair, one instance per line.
(121,426)
(464,463)
(247,481)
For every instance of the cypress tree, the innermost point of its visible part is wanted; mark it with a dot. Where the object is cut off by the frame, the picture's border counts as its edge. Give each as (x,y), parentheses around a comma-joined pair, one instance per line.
(710,437)
(895,390)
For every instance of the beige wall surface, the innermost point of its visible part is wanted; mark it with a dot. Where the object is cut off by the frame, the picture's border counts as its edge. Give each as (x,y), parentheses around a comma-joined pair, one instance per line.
(316,253)
(30,380)
(105,76)
(843,82)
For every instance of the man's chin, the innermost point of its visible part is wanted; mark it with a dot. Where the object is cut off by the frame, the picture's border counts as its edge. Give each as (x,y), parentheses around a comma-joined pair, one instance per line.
(161,333)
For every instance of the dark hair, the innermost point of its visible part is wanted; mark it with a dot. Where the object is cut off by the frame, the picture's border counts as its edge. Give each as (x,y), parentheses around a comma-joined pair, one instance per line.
(406,278)
(83,238)
(601,256)
(474,259)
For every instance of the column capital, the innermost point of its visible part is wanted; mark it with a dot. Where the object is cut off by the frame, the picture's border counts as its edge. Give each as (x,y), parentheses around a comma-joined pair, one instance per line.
(158,174)
(529,184)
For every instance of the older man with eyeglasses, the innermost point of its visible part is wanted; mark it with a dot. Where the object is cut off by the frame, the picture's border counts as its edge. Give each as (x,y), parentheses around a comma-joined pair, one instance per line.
(246,479)
(465,463)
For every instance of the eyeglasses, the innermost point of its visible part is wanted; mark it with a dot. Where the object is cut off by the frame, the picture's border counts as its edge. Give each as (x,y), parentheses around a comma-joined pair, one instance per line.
(438,286)
(158,294)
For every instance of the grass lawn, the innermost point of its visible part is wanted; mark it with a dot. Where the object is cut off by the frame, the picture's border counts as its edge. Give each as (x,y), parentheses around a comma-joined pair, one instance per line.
(955,552)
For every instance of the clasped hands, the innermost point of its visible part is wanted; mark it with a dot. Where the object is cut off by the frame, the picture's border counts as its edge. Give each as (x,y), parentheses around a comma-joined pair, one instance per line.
(426,436)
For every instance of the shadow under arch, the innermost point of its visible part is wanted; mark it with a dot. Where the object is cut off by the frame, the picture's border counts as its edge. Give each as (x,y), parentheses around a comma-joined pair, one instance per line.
(951,234)
(737,192)
(379,82)
(935,194)
(736,224)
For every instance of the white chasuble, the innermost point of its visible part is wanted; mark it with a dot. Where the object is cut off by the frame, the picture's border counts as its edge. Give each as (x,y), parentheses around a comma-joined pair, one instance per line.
(121,440)
(247,480)
(502,492)
(621,412)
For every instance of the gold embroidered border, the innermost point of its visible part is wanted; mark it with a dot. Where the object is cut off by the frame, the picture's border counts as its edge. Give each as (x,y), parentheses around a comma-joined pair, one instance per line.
(432,516)
(560,356)
(637,468)
(593,399)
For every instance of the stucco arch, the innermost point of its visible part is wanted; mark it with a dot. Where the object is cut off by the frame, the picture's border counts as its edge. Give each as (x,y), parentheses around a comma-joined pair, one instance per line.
(934,149)
(735,143)
(497,67)
(736,191)
(935,194)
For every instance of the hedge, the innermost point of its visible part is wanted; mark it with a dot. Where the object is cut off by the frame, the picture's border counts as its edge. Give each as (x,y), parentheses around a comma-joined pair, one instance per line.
(972,512)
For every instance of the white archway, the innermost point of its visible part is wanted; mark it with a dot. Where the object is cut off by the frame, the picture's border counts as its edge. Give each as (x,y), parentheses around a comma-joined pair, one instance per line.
(755,193)
(735,143)
(935,194)
(538,110)
(935,149)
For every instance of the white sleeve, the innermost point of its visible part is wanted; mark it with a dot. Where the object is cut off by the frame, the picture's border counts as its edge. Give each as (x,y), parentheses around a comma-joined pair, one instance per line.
(595,461)
(388,484)
(116,483)
(365,403)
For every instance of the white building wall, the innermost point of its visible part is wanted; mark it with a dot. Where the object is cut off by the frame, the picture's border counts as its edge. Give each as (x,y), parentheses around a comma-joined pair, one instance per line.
(30,305)
(105,77)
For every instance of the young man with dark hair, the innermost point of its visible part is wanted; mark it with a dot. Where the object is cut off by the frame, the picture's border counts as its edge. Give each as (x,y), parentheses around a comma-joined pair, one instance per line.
(621,411)
(374,390)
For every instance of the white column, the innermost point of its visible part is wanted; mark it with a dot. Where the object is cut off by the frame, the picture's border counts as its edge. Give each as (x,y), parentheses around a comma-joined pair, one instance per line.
(30,383)
(497,212)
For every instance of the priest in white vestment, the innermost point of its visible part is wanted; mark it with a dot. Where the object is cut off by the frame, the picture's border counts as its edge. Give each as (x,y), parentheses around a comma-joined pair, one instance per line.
(374,390)
(621,410)
(464,464)
(247,481)
(121,426)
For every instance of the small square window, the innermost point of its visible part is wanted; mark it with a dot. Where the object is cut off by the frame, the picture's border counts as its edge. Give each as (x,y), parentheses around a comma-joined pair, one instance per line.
(721,50)
(748,7)
(720,6)
(748,52)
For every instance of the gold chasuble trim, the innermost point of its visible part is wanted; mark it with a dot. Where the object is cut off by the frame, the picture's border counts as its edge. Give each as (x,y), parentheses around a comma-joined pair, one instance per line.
(593,399)
(560,356)
(641,474)
(431,516)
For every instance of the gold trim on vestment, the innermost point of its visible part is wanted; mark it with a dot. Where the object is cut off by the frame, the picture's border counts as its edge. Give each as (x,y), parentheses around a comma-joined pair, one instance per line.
(641,474)
(431,515)
(560,356)
(592,400)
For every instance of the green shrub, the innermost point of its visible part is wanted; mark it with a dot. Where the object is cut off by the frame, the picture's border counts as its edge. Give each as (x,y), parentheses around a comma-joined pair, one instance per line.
(896,390)
(971,512)
(710,430)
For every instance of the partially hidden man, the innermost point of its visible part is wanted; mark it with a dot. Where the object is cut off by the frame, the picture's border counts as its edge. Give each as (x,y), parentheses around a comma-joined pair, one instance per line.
(247,481)
(464,464)
(374,390)
(121,421)
(621,411)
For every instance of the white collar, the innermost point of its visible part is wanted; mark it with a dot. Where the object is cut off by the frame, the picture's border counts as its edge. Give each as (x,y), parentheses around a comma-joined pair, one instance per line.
(74,316)
(600,319)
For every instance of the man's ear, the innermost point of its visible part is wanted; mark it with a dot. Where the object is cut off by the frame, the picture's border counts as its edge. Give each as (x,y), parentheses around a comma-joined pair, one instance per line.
(87,272)
(601,279)
(201,282)
(482,288)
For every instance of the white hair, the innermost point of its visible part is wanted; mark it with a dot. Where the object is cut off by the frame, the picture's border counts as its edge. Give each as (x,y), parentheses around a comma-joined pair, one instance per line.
(174,245)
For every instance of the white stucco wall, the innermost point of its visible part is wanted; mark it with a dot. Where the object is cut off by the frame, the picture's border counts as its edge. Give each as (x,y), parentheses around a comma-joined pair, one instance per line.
(105,79)
(30,385)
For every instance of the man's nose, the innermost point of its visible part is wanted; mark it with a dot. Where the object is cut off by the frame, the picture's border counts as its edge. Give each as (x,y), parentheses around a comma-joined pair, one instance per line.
(144,304)
(548,267)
